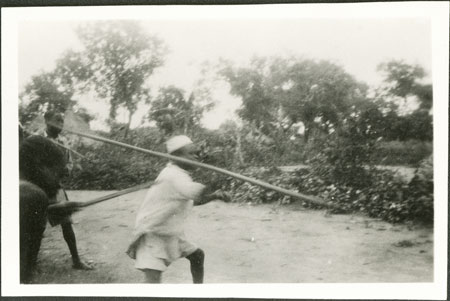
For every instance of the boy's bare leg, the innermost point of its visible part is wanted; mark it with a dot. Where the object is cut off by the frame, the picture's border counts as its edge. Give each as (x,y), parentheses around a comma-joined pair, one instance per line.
(197,260)
(69,237)
(152,276)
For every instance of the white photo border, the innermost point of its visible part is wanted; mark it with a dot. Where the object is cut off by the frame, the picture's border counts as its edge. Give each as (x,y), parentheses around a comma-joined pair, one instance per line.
(436,12)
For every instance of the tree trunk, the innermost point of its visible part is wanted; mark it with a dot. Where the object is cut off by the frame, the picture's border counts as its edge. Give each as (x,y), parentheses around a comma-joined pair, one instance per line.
(127,129)
(185,126)
(306,134)
(239,155)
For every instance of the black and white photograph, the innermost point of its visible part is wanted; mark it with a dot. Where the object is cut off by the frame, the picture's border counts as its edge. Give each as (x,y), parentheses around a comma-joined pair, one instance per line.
(277,150)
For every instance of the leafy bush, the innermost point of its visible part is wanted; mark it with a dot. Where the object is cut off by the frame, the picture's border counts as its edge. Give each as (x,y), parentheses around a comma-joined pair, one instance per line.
(388,197)
(216,149)
(396,201)
(410,152)
(335,176)
(110,167)
(343,158)
(113,171)
(245,192)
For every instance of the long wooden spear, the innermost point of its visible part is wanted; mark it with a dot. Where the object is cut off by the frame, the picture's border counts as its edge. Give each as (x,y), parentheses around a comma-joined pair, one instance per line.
(311,199)
(65,208)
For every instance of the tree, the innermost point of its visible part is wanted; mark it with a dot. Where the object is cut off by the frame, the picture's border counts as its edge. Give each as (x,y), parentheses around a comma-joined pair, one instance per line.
(173,113)
(402,84)
(402,80)
(425,96)
(230,131)
(280,92)
(117,59)
(44,92)
(319,94)
(252,84)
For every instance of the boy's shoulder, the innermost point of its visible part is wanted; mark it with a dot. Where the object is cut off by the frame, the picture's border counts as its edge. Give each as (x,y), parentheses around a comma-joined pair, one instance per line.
(173,172)
(171,167)
(28,190)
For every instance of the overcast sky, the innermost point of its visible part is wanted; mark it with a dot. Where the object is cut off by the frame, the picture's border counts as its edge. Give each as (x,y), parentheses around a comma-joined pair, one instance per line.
(358,45)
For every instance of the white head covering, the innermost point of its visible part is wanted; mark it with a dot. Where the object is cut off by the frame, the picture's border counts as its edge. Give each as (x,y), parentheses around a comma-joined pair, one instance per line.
(177,142)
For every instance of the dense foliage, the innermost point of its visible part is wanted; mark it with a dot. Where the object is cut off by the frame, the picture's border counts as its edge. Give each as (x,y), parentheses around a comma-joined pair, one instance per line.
(109,167)
(408,153)
(378,193)
(294,111)
(388,197)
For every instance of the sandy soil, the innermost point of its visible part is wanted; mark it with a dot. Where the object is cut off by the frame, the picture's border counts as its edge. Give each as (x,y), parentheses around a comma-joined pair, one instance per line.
(245,244)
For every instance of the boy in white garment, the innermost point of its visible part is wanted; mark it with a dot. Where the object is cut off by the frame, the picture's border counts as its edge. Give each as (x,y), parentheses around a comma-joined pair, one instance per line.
(159,231)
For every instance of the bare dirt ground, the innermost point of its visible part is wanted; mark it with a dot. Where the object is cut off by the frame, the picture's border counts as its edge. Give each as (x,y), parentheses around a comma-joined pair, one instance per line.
(245,244)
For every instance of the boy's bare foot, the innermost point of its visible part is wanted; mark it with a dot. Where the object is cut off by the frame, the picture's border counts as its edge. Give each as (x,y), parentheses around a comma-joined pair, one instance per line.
(82,266)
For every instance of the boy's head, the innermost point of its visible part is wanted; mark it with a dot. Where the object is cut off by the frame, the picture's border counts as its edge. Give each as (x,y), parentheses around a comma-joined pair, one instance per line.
(54,122)
(182,146)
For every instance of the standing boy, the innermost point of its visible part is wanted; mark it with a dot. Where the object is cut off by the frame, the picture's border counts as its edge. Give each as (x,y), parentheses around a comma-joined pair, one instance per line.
(41,165)
(159,232)
(54,122)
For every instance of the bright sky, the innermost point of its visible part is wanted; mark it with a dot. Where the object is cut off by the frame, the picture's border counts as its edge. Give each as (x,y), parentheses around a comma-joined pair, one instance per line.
(358,45)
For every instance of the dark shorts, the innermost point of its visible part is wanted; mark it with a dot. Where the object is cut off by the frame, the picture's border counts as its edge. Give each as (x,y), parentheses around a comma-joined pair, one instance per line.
(55,220)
